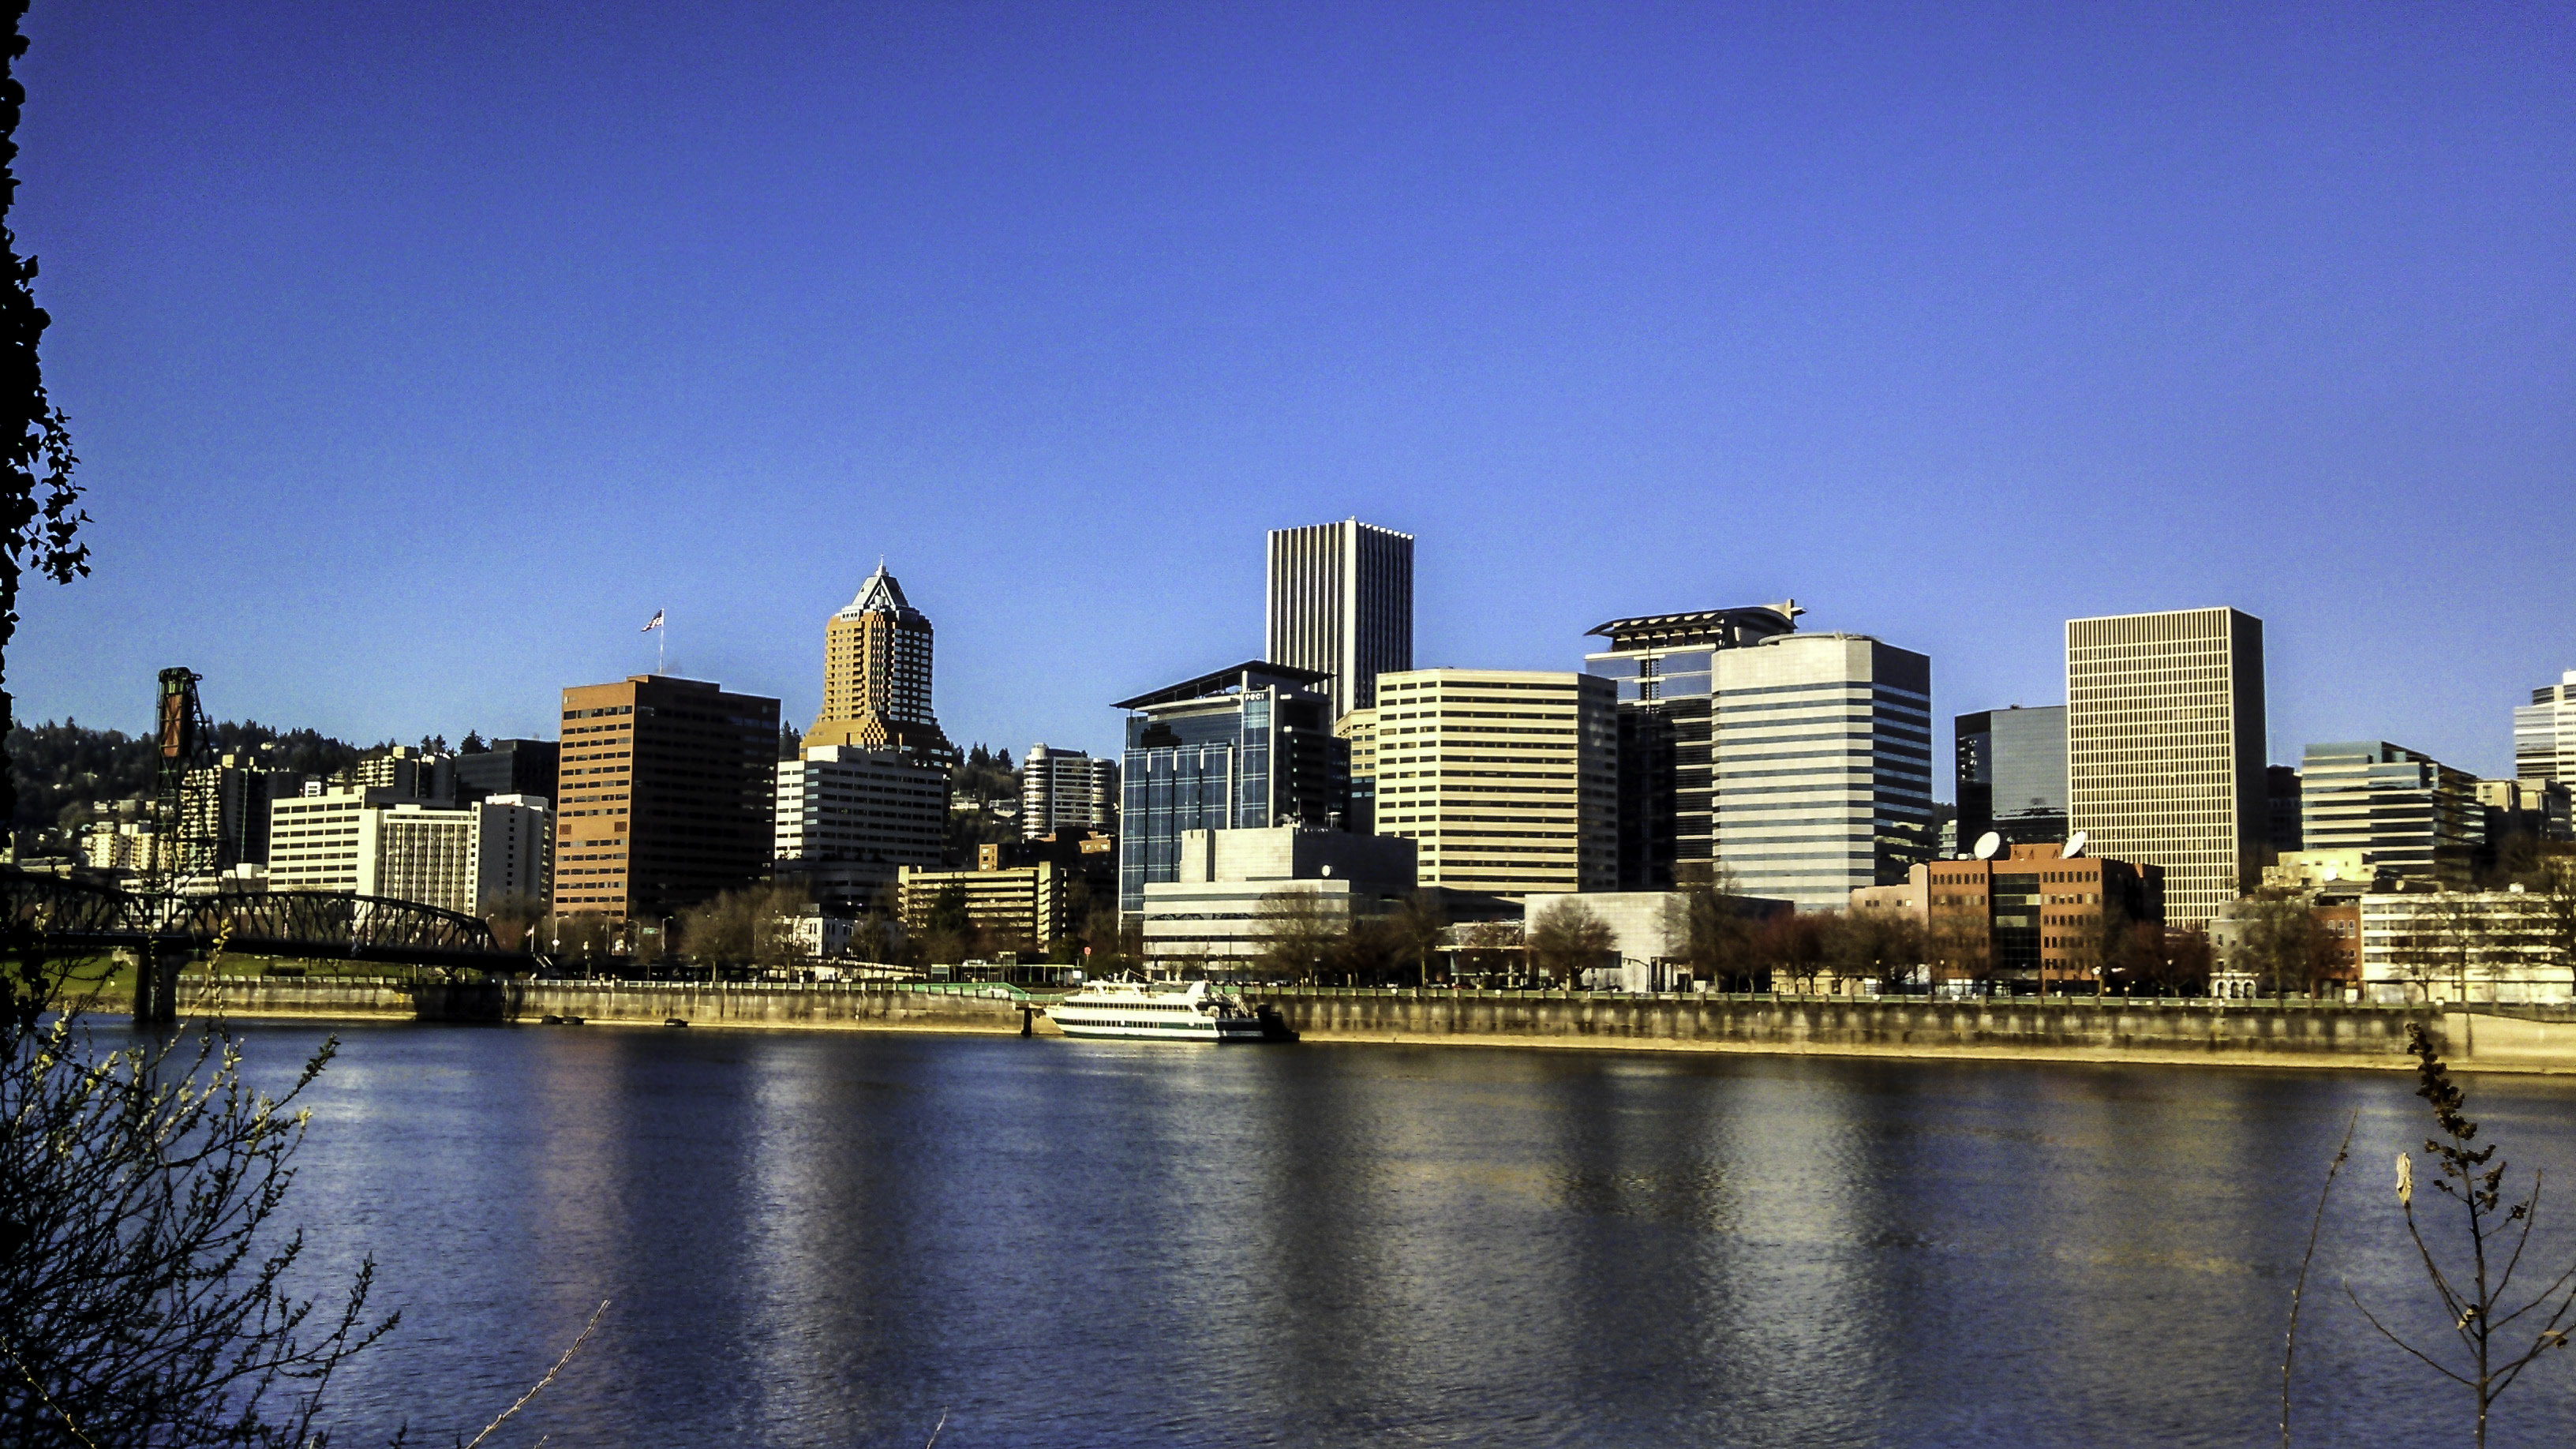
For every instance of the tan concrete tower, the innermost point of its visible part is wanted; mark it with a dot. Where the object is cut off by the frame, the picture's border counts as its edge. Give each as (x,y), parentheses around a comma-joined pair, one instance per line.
(876,676)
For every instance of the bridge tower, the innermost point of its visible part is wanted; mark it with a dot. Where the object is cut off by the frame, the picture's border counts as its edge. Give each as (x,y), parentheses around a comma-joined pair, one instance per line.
(183,739)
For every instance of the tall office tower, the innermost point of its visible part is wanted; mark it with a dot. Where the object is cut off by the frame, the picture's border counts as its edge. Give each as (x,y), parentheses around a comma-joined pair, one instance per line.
(2012,774)
(1340,601)
(2411,815)
(665,795)
(509,767)
(849,818)
(1507,781)
(2544,733)
(224,815)
(1358,729)
(2164,749)
(1065,787)
(1244,748)
(1823,765)
(876,676)
(1664,668)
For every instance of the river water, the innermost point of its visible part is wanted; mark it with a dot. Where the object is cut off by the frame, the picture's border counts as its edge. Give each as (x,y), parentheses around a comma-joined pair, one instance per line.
(835,1239)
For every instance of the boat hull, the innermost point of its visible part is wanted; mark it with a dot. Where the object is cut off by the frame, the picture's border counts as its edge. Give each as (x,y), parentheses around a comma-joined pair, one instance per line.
(1111,1028)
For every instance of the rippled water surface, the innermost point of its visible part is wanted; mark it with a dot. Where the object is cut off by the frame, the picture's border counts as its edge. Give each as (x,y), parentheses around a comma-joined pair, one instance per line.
(834,1239)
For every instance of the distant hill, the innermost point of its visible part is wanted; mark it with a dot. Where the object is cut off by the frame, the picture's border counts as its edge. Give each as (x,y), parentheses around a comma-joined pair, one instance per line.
(66,770)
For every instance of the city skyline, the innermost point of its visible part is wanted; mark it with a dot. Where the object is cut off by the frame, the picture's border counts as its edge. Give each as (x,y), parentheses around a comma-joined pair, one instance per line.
(2260,287)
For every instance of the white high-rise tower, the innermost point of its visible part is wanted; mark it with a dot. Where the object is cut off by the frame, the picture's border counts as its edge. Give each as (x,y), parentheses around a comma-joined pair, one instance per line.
(2544,734)
(1340,601)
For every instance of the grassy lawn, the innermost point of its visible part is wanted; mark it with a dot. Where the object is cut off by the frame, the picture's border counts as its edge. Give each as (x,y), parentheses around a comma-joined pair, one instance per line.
(105,984)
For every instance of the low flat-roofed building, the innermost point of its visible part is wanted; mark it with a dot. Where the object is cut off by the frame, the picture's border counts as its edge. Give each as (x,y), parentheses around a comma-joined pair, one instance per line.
(2035,918)
(2460,946)
(1023,909)
(1219,916)
(1644,926)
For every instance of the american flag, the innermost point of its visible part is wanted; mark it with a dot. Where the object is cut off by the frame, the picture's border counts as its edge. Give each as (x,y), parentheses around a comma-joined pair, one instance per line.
(656,624)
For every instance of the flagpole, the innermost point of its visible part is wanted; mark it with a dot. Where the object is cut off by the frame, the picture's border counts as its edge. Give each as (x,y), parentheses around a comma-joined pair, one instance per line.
(661,641)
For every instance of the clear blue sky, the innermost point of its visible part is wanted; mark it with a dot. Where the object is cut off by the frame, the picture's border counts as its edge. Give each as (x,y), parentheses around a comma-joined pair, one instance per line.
(417,353)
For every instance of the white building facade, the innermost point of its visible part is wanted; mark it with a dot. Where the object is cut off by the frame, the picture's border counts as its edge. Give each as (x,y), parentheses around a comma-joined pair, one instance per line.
(1219,914)
(1066,787)
(2462,946)
(348,838)
(2544,733)
(1822,763)
(848,818)
(1507,781)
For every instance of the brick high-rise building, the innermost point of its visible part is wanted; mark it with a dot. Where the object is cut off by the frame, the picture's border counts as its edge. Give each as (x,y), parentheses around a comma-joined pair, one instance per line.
(666,792)
(876,676)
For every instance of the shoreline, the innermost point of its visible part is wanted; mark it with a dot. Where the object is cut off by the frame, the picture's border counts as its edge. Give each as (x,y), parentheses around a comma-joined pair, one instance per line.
(1326,1036)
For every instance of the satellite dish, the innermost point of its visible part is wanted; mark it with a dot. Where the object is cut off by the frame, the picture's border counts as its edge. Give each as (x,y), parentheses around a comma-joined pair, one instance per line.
(2329,873)
(1989,845)
(2074,846)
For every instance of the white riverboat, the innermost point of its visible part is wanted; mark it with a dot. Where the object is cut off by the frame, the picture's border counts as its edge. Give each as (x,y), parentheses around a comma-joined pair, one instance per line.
(1156,1011)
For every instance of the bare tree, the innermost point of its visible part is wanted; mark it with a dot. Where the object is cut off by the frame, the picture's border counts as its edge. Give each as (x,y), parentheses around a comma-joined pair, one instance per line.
(1962,948)
(1295,933)
(1708,928)
(2284,941)
(2474,1294)
(143,1265)
(1418,924)
(1793,947)
(512,918)
(1568,938)
(2552,888)
(746,927)
(1367,952)
(1486,948)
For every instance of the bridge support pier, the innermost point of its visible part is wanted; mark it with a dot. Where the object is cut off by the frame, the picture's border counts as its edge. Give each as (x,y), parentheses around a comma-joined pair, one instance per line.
(156,983)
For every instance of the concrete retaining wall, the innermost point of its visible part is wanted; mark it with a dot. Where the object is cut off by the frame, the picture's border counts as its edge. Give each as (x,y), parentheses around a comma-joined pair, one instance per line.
(2063,1030)
(2072,1030)
(635,1003)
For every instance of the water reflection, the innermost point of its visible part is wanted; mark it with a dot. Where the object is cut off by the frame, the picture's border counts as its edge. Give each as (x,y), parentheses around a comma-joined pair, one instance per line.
(820,1239)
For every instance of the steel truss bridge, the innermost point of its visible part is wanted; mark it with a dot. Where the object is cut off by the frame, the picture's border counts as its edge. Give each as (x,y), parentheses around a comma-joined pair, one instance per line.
(79,915)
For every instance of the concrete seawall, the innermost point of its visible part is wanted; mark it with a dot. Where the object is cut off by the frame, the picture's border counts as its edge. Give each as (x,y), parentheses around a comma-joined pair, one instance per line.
(618,1003)
(2180,1032)
(2027,1030)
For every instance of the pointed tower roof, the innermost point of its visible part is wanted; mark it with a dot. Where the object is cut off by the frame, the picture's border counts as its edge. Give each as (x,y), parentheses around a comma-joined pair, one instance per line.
(879,595)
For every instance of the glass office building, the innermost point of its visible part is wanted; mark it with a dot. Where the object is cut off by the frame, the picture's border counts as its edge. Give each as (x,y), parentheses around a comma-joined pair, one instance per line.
(2012,774)
(2410,814)
(1664,667)
(1243,748)
(1798,766)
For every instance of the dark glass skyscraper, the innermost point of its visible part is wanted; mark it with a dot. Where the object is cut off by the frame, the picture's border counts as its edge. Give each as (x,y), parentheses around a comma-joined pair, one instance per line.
(2012,774)
(1240,749)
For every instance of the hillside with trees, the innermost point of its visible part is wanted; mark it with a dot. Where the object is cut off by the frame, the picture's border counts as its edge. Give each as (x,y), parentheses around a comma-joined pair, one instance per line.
(66,771)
